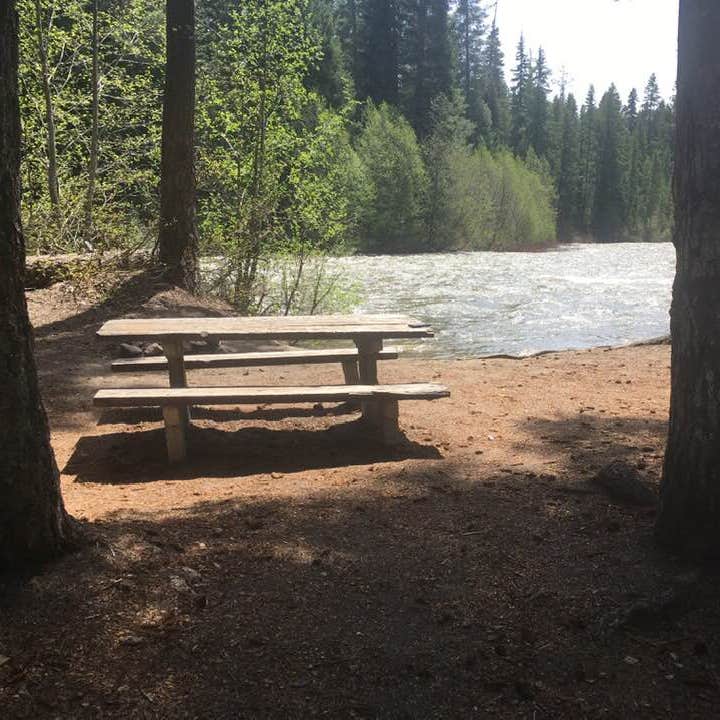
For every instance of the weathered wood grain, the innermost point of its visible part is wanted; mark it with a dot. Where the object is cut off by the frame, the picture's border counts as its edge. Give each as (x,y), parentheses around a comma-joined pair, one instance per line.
(263,328)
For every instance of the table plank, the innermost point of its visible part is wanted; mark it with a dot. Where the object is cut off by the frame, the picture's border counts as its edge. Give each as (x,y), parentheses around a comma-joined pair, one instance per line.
(262,328)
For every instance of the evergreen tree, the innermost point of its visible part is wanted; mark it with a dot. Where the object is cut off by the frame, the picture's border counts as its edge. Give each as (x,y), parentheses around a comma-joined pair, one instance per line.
(631,110)
(538,106)
(689,513)
(608,217)
(568,182)
(494,88)
(651,103)
(178,237)
(521,93)
(377,67)
(468,31)
(34,525)
(426,60)
(469,28)
(348,13)
(652,95)
(327,75)
(588,160)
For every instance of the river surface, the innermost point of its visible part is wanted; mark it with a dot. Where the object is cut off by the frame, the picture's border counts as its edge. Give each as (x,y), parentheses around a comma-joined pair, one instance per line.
(486,303)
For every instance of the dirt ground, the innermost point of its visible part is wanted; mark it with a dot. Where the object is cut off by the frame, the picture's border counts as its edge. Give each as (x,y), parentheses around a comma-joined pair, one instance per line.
(295,568)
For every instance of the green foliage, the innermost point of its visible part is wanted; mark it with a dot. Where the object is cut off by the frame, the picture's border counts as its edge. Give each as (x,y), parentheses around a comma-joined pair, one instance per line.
(131,42)
(448,140)
(294,163)
(391,221)
(462,199)
(291,283)
(274,160)
(500,203)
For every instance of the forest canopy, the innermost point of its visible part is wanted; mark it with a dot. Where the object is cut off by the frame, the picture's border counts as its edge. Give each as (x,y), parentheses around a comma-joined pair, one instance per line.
(380,126)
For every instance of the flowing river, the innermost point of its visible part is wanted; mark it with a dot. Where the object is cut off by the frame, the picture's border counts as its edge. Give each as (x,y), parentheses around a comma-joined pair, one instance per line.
(485,303)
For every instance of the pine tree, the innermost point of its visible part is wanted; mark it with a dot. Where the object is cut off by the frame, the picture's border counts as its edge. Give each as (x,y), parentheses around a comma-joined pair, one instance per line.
(494,88)
(651,102)
(178,237)
(631,110)
(33,523)
(568,182)
(468,31)
(538,110)
(348,31)
(378,51)
(426,59)
(328,75)
(469,28)
(588,160)
(521,93)
(689,513)
(608,218)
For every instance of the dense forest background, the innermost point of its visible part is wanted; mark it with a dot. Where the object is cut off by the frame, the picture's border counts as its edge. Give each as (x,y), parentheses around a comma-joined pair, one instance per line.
(326,126)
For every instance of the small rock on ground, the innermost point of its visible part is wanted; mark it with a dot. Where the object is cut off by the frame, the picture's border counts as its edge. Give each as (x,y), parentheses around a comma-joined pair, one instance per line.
(623,483)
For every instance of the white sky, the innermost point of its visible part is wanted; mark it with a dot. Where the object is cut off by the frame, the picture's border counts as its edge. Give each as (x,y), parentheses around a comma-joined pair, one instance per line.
(597,41)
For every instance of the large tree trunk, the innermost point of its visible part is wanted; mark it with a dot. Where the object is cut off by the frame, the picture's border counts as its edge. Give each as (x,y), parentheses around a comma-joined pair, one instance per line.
(689,517)
(178,242)
(33,522)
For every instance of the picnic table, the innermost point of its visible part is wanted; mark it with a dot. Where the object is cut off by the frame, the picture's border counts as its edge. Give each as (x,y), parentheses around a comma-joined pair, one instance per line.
(367,332)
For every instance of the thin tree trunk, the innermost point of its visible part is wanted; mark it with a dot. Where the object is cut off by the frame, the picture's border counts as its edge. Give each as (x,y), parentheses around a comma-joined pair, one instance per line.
(178,241)
(52,169)
(94,133)
(689,516)
(33,523)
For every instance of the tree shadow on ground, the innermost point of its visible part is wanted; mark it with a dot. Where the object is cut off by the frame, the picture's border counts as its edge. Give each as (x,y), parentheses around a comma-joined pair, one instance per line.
(70,355)
(140,456)
(418,593)
(587,442)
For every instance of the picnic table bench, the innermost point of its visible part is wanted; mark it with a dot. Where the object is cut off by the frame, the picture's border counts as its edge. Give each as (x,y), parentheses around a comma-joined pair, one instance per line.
(379,403)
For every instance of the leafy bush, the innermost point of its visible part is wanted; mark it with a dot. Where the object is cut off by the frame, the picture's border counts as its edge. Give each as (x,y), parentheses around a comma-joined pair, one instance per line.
(391,217)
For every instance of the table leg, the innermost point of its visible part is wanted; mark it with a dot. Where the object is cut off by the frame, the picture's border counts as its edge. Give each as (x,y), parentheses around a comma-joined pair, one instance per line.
(176,367)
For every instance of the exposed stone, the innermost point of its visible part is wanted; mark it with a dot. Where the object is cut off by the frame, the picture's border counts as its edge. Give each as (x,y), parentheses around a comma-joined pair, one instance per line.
(126,350)
(623,483)
(153,350)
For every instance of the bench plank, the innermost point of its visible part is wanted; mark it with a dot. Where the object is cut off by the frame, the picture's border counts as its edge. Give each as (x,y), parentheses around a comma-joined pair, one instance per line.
(159,397)
(250,359)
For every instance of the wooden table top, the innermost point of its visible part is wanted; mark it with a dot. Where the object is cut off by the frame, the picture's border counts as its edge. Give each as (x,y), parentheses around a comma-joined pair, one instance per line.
(319,327)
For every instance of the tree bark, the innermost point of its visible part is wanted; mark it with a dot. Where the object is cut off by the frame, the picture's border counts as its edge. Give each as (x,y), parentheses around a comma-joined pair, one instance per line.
(178,241)
(33,523)
(689,516)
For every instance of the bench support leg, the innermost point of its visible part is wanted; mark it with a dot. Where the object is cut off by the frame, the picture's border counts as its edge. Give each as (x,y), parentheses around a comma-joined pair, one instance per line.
(352,377)
(176,368)
(175,432)
(384,420)
(367,365)
(351,373)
